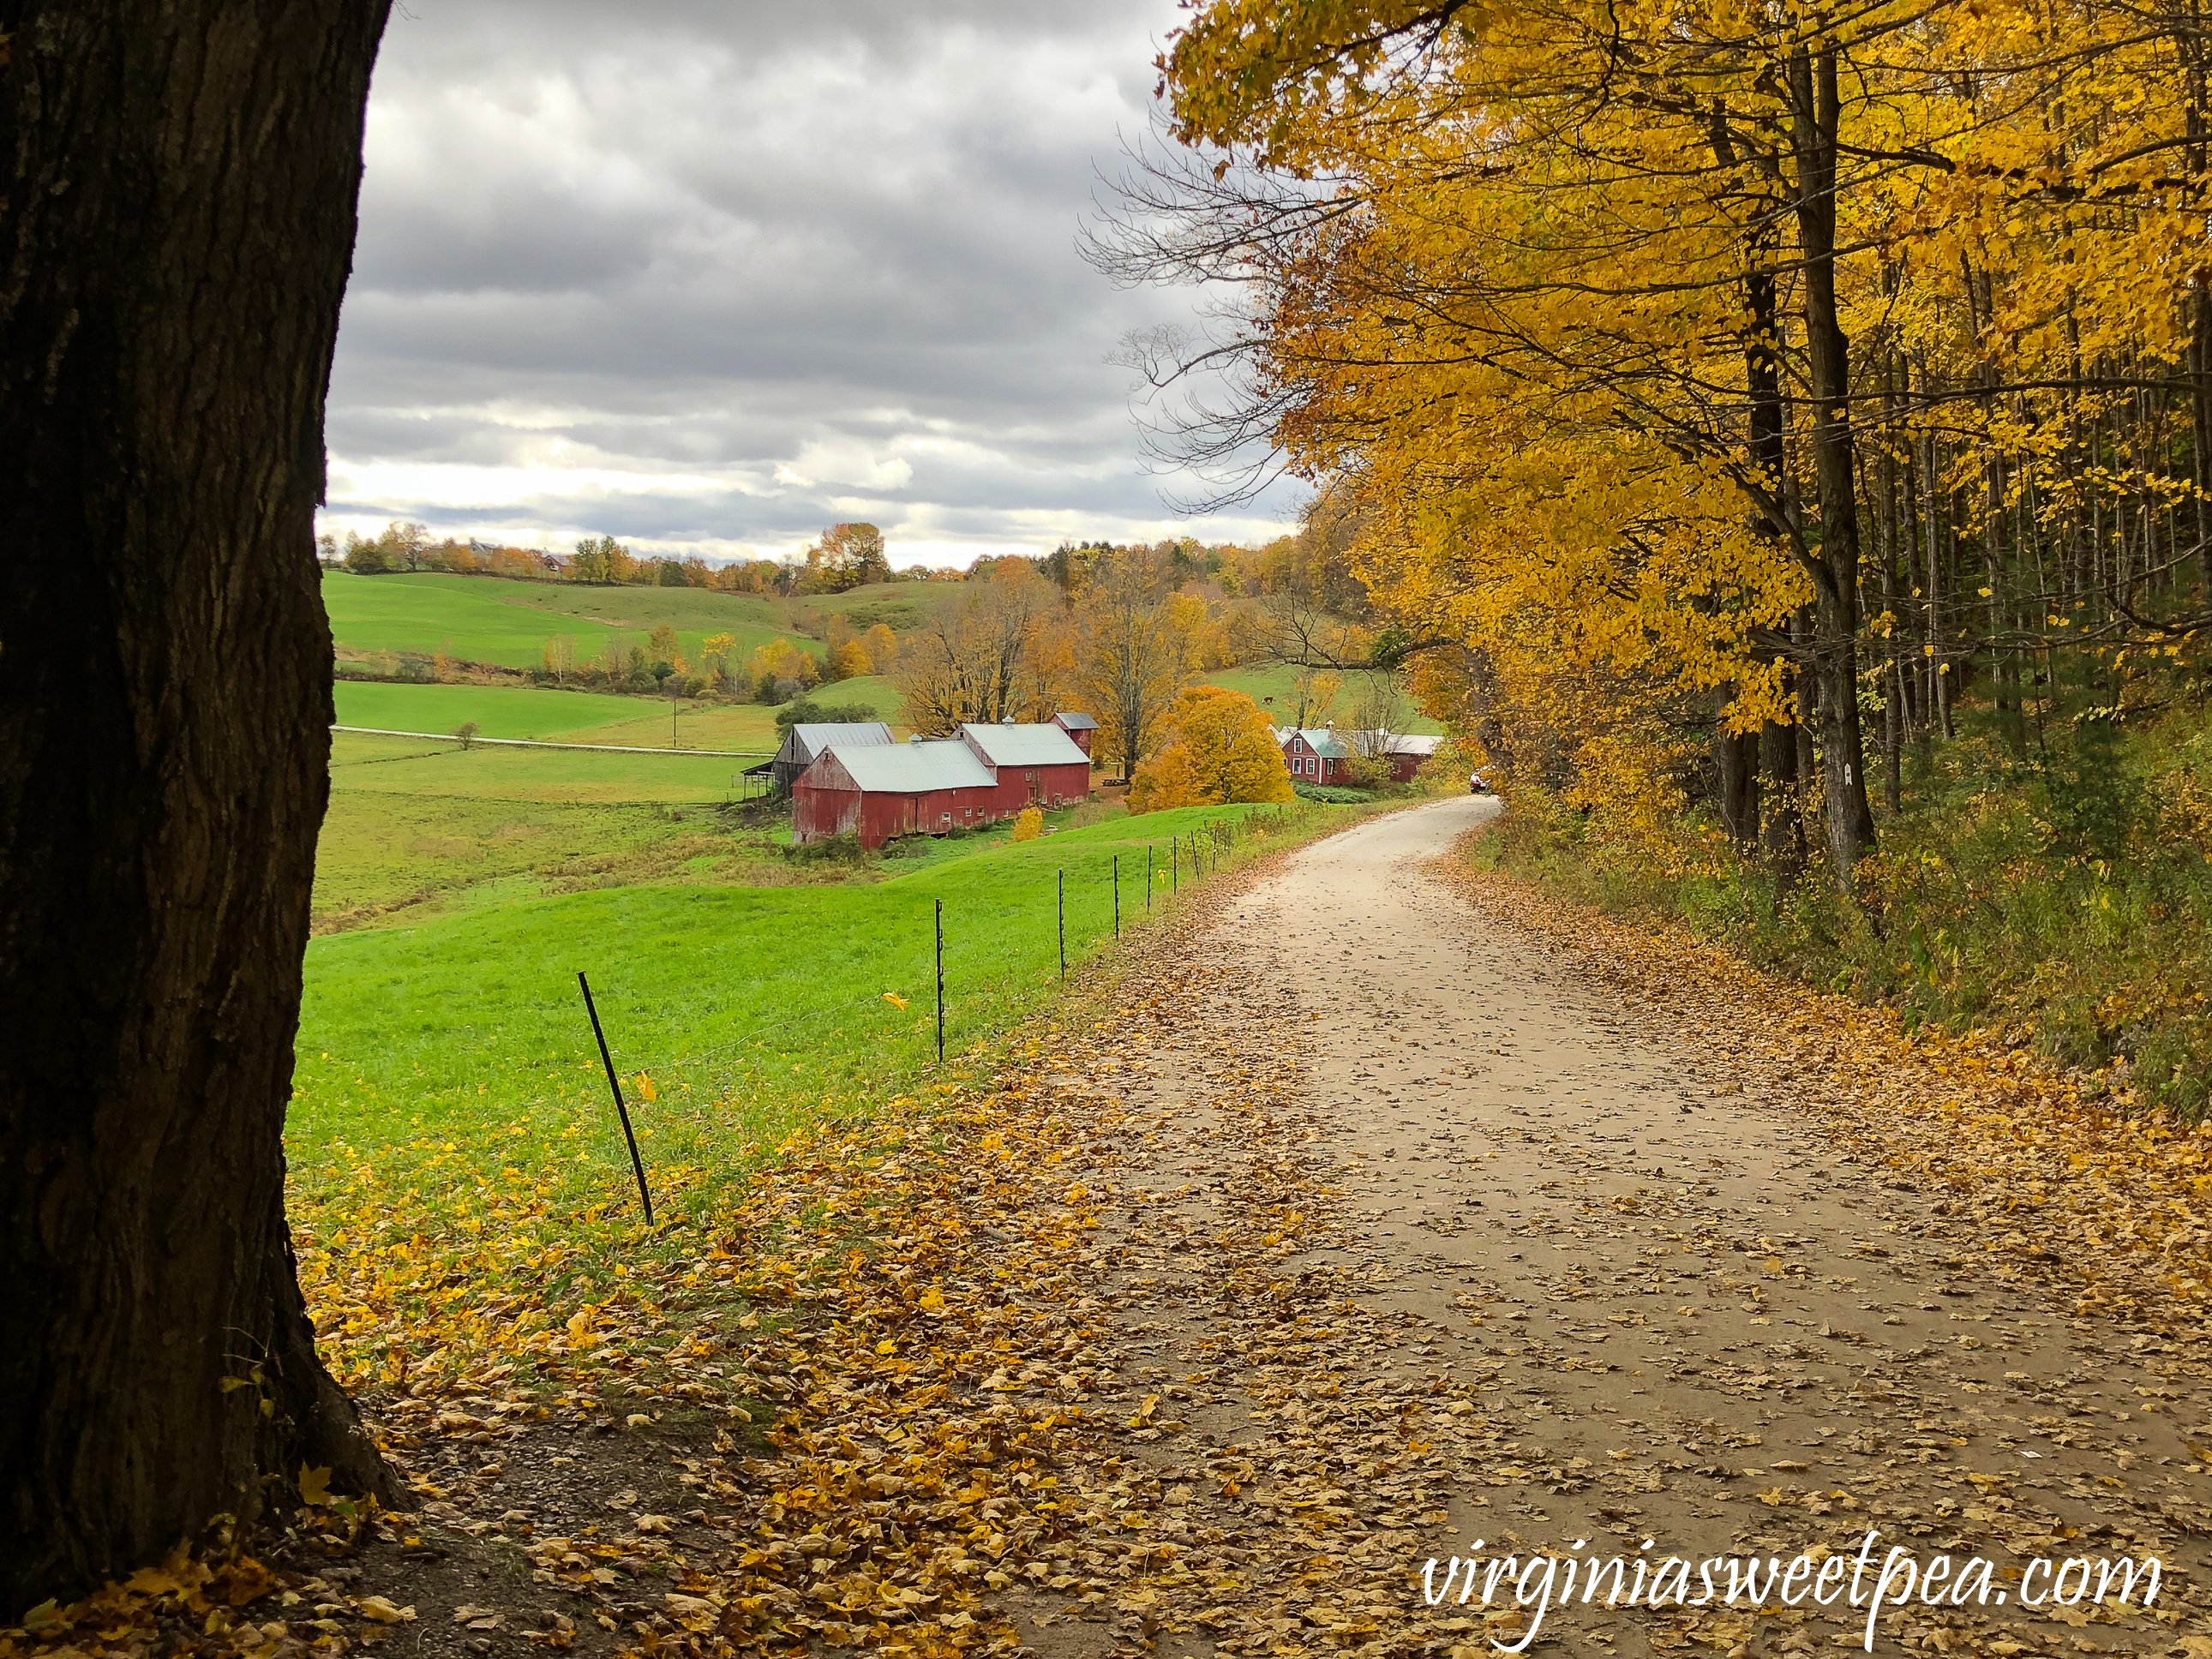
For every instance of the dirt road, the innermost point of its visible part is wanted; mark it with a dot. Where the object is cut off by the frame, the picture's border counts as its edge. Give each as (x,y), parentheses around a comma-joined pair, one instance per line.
(1420,1238)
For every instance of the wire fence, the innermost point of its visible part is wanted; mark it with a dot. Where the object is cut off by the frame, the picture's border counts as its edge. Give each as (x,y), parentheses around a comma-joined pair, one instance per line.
(973,1001)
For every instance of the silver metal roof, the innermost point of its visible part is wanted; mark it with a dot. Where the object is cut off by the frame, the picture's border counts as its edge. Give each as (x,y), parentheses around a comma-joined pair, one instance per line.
(915,769)
(1025,745)
(809,737)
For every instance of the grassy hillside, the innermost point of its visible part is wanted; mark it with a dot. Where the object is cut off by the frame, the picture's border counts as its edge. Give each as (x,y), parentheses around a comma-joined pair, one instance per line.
(492,620)
(499,711)
(513,711)
(461,1043)
(899,606)
(741,725)
(398,766)
(1280,682)
(418,827)
(386,855)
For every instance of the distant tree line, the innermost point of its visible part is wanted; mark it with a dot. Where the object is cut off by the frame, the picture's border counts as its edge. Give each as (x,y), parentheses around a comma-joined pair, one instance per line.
(843,557)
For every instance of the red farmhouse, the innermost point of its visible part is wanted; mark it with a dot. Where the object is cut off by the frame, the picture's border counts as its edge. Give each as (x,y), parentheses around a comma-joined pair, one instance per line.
(933,787)
(1317,756)
(1323,757)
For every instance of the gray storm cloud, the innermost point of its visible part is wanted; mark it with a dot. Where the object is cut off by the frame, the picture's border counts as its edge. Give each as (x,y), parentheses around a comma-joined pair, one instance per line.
(712,276)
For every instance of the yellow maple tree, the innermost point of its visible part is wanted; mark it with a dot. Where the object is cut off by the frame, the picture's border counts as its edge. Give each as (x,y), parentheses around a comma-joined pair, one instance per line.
(1221,749)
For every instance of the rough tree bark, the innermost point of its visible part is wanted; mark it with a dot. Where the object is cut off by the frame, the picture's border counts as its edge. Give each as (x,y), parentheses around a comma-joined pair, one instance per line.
(1765,425)
(1735,772)
(177,230)
(1816,108)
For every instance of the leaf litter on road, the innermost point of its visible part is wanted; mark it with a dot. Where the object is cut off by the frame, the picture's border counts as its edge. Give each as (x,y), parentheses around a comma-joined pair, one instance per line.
(1096,1349)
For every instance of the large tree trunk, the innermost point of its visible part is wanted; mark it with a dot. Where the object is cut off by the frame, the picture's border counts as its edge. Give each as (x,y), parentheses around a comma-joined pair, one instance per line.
(178,227)
(1735,780)
(1765,427)
(1816,108)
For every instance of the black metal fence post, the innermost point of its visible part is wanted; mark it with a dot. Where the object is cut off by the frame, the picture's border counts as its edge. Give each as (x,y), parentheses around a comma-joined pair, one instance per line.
(940,981)
(1117,896)
(1063,927)
(614,1083)
(1174,864)
(1148,881)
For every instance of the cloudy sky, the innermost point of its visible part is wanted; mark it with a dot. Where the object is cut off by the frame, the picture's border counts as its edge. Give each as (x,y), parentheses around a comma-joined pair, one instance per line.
(710,275)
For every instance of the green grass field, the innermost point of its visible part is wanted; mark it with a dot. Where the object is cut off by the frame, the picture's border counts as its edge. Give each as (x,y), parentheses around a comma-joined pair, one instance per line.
(746,726)
(499,711)
(391,854)
(749,1007)
(392,766)
(451,1116)
(419,828)
(490,619)
(516,711)
(459,1182)
(1280,681)
(899,606)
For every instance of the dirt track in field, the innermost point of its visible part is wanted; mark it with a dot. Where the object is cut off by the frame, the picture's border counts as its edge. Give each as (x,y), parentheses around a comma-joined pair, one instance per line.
(1422,1238)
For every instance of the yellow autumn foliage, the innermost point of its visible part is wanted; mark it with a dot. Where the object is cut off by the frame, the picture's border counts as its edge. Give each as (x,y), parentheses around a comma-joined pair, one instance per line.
(1220,749)
(1727,368)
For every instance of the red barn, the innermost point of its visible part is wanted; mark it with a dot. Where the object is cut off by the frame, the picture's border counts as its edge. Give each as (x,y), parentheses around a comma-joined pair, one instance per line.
(1079,727)
(898,789)
(1407,754)
(1323,757)
(1034,765)
(933,787)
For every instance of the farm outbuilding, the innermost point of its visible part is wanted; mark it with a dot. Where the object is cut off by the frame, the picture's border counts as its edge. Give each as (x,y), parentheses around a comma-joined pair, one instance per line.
(1408,753)
(930,787)
(803,743)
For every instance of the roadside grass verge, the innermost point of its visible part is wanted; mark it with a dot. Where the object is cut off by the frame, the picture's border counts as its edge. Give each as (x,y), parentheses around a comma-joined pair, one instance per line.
(2060,903)
(460,1185)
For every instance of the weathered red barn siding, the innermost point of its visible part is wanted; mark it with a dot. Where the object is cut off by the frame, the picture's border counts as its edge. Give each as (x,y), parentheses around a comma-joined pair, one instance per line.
(941,810)
(880,816)
(1021,786)
(884,816)
(1403,766)
(1065,783)
(831,798)
(825,801)
(817,813)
